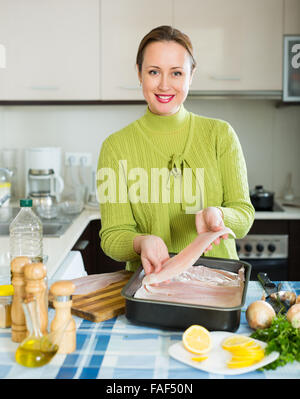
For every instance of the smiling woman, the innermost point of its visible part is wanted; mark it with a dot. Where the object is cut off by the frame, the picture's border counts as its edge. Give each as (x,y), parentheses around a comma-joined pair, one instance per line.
(168,137)
(165,66)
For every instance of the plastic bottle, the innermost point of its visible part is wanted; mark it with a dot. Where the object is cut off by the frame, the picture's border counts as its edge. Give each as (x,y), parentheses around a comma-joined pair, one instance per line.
(26,233)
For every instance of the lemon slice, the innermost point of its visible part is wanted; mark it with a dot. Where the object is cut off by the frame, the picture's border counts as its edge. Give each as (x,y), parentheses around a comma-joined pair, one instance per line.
(245,351)
(235,364)
(196,339)
(236,341)
(239,362)
(199,358)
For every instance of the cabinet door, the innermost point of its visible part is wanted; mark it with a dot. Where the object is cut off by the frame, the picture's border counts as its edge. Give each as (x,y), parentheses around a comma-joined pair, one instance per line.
(237,43)
(52,49)
(94,259)
(123,25)
(291,17)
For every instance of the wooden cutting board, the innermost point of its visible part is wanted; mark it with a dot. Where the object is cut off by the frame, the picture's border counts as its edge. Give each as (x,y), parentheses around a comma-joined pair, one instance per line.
(100,305)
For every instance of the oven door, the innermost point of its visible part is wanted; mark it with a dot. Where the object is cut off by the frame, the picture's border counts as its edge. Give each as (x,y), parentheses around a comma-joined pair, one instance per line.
(277,269)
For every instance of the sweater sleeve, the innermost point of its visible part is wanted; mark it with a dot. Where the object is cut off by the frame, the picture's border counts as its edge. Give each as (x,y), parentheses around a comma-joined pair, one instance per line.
(237,208)
(118,227)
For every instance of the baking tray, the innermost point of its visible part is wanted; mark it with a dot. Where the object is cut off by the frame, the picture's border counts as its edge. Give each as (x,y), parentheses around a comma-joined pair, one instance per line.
(178,316)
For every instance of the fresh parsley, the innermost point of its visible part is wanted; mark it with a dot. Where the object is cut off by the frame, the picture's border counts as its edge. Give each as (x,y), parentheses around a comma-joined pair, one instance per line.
(281,337)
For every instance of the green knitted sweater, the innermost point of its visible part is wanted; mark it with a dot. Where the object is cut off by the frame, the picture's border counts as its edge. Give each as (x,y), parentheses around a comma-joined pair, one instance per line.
(180,145)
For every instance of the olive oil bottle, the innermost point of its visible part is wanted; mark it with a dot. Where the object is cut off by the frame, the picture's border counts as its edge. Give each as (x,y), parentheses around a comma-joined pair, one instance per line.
(36,349)
(35,352)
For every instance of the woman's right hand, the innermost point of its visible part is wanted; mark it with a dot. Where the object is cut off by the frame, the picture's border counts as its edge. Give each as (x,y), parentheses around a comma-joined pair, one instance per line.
(153,250)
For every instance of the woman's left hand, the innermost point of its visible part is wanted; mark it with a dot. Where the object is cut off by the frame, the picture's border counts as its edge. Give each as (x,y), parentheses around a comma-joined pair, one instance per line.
(210,219)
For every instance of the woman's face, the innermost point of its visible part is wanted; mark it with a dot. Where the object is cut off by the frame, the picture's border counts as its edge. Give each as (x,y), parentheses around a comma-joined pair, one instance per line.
(166,76)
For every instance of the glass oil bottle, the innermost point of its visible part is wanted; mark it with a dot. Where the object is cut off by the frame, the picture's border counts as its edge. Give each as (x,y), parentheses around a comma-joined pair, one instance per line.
(37,349)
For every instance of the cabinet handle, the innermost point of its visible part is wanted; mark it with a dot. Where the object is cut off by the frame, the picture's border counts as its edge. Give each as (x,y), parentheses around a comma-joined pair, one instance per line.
(44,87)
(81,245)
(2,56)
(224,77)
(129,87)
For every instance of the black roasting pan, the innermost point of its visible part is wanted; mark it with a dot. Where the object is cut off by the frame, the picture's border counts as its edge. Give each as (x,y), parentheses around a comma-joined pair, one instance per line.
(178,316)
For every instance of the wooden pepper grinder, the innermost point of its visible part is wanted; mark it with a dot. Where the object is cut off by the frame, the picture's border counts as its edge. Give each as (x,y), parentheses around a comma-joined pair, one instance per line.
(62,301)
(35,285)
(18,321)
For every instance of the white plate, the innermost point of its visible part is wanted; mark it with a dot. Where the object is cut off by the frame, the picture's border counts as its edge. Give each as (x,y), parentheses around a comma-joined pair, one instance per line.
(217,357)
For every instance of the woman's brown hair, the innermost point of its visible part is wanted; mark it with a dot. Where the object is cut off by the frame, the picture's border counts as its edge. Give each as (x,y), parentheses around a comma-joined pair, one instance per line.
(164,33)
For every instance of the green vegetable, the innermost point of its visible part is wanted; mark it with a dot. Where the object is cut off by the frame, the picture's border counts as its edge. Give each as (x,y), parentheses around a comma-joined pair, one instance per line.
(281,337)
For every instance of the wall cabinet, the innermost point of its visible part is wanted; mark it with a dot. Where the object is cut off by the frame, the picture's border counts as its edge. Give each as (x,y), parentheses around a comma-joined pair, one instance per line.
(86,50)
(237,43)
(291,14)
(123,25)
(52,50)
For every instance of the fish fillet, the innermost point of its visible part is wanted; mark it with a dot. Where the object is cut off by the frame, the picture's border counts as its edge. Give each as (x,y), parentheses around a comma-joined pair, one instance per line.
(93,282)
(199,285)
(185,258)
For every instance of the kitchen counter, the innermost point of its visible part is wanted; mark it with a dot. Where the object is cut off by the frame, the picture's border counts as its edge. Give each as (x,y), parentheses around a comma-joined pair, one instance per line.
(290,213)
(118,349)
(57,248)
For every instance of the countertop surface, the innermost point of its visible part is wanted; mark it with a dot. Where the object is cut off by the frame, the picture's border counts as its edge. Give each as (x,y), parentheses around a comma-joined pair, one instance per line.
(289,212)
(119,349)
(57,248)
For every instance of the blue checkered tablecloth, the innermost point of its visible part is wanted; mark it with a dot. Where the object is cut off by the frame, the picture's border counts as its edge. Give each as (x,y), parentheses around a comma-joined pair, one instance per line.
(118,349)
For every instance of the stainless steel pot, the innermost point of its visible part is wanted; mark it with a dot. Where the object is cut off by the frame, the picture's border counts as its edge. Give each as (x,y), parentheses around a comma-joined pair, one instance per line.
(261,199)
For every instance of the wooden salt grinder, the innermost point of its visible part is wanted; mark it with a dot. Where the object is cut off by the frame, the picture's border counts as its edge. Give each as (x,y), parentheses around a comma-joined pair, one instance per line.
(18,321)
(35,285)
(62,301)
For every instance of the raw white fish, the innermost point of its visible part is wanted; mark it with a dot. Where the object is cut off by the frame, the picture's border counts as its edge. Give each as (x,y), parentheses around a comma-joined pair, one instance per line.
(94,282)
(185,258)
(198,285)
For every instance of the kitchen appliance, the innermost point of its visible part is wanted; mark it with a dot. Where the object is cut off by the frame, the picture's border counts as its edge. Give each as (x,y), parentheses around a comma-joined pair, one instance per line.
(171,315)
(43,181)
(266,253)
(261,199)
(291,68)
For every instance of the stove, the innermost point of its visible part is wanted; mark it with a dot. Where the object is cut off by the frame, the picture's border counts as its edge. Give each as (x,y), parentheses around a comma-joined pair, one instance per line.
(266,253)
(276,208)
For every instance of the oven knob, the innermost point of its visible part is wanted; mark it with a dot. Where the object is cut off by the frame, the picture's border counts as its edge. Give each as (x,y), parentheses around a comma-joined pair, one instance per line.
(259,247)
(271,247)
(238,247)
(248,247)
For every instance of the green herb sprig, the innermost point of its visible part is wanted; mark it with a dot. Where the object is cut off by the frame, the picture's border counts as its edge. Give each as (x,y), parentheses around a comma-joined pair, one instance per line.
(281,337)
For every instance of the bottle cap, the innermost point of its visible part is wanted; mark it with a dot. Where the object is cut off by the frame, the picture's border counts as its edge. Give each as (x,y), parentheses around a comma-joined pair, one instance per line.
(6,290)
(27,202)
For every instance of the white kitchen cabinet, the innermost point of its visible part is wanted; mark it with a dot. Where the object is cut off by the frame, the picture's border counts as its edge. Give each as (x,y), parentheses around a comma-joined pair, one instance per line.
(237,43)
(291,17)
(123,25)
(52,50)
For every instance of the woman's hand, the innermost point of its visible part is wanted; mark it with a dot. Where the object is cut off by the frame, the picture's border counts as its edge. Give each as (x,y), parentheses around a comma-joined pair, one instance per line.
(153,250)
(210,219)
